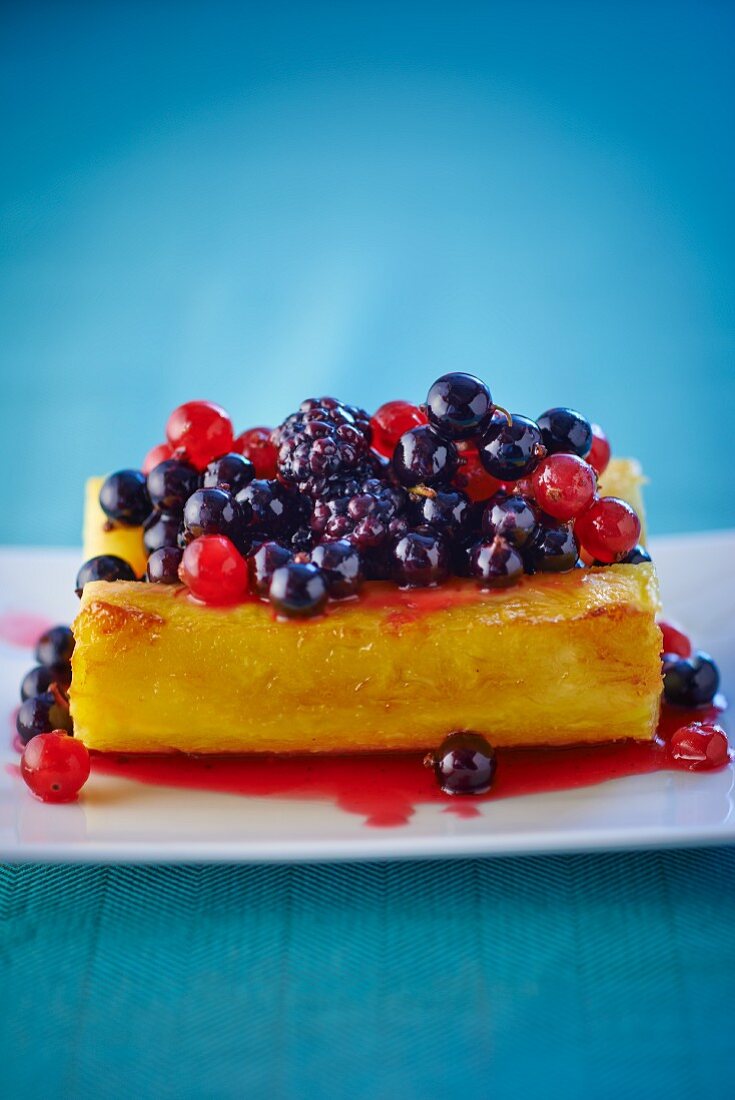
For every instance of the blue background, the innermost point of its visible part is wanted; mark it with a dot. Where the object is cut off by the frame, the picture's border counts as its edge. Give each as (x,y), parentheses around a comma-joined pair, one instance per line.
(254,203)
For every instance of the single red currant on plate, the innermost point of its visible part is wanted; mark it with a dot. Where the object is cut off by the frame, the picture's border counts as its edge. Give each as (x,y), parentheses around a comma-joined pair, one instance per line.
(214,571)
(199,431)
(55,766)
(700,746)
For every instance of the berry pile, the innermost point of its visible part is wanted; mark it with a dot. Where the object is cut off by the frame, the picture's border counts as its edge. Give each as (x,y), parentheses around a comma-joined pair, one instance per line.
(414,494)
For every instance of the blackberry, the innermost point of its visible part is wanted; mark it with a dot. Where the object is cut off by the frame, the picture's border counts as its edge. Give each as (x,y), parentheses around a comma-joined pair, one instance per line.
(365,512)
(324,439)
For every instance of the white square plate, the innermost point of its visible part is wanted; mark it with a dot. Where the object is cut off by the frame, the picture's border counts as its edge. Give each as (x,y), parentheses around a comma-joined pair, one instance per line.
(118,819)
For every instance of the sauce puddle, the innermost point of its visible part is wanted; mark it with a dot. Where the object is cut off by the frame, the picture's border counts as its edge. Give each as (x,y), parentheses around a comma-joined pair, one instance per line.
(385,788)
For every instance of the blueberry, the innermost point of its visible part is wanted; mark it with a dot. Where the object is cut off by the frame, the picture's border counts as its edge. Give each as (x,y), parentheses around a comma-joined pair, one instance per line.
(495,562)
(449,511)
(55,645)
(170,484)
(163,565)
(420,559)
(464,764)
(511,451)
(564,430)
(298,589)
(231,472)
(512,517)
(40,678)
(105,567)
(459,406)
(423,457)
(341,565)
(690,681)
(41,714)
(637,556)
(124,498)
(270,508)
(263,562)
(161,529)
(214,512)
(553,549)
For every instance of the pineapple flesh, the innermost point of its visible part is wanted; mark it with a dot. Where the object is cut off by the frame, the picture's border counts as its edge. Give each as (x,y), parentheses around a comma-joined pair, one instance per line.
(557,659)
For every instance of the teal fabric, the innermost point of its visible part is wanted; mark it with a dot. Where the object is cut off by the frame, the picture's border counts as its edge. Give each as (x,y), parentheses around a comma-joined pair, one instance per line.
(606,976)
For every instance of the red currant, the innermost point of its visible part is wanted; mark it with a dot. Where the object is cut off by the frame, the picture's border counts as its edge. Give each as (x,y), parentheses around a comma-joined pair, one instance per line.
(674,640)
(699,746)
(155,456)
(608,529)
(199,431)
(472,477)
(391,421)
(564,485)
(256,444)
(55,766)
(599,455)
(214,571)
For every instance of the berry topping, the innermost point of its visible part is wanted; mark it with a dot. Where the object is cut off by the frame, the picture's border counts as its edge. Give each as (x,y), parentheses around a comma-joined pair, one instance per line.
(161,529)
(214,512)
(514,518)
(214,571)
(298,589)
(472,477)
(55,645)
(564,485)
(40,679)
(232,472)
(171,483)
(609,529)
(155,456)
(637,556)
(124,498)
(263,563)
(422,457)
(674,640)
(105,567)
(340,563)
(554,549)
(257,445)
(449,510)
(420,559)
(690,681)
(199,431)
(459,406)
(464,764)
(391,421)
(495,562)
(512,450)
(599,455)
(41,714)
(565,430)
(163,565)
(274,509)
(55,766)
(699,746)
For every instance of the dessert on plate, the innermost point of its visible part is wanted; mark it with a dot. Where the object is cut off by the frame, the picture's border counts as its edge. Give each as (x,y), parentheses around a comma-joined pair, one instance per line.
(447,578)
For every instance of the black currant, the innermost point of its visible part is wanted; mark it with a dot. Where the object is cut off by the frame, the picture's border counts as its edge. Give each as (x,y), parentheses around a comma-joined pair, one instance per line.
(459,406)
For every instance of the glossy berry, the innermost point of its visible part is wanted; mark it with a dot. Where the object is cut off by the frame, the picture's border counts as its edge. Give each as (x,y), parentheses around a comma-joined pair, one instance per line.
(298,589)
(171,483)
(472,477)
(554,549)
(105,567)
(39,679)
(161,529)
(464,764)
(422,457)
(459,406)
(599,455)
(231,472)
(156,455)
(511,451)
(674,640)
(163,565)
(214,571)
(564,485)
(55,766)
(609,529)
(214,512)
(495,562)
(124,498)
(699,746)
(513,517)
(55,645)
(391,421)
(637,556)
(421,559)
(199,431)
(257,445)
(448,510)
(41,714)
(690,681)
(564,430)
(272,509)
(340,563)
(263,562)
